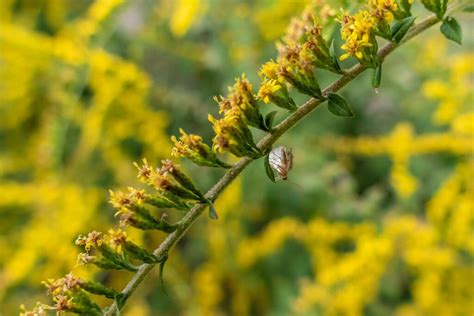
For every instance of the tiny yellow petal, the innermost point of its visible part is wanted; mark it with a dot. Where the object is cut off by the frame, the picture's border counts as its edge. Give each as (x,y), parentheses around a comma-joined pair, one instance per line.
(344,57)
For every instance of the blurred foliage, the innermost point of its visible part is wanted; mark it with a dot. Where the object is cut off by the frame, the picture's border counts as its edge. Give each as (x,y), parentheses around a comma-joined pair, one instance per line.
(382,224)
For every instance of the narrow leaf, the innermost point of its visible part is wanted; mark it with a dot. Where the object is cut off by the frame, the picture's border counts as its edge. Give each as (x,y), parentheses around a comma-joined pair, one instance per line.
(444,7)
(399,29)
(269,119)
(212,211)
(261,123)
(377,77)
(337,105)
(268,169)
(406,6)
(332,50)
(120,300)
(452,30)
(162,266)
(334,58)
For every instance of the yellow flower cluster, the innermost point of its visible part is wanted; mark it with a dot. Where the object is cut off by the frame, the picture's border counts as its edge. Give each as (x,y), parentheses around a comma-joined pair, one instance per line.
(454,94)
(71,293)
(300,52)
(27,54)
(268,89)
(240,102)
(346,281)
(383,10)
(53,209)
(175,190)
(192,147)
(112,251)
(337,288)
(407,145)
(359,30)
(450,210)
(185,14)
(273,88)
(233,135)
(270,70)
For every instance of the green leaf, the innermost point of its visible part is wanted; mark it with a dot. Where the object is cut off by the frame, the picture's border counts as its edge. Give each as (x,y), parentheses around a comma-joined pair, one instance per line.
(469,8)
(268,169)
(337,105)
(99,289)
(452,30)
(334,58)
(162,266)
(120,300)
(444,7)
(406,6)
(261,124)
(212,211)
(399,29)
(383,30)
(377,77)
(269,119)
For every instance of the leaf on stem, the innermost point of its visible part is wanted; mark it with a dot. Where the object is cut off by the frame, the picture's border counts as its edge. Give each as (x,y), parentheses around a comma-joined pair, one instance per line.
(452,30)
(376,78)
(162,266)
(399,29)
(268,169)
(269,120)
(334,58)
(212,210)
(338,106)
(120,300)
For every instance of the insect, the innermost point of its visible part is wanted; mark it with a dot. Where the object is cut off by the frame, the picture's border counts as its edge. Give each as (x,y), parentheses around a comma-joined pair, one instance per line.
(281,160)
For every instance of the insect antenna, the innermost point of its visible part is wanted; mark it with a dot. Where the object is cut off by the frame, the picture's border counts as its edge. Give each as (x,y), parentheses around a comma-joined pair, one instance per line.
(296,184)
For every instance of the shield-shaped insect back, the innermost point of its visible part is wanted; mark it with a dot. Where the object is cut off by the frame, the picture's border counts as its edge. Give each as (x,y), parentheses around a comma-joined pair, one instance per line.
(279,160)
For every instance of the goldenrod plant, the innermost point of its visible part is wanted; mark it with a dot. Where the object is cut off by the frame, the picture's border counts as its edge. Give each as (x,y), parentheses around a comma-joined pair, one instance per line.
(321,39)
